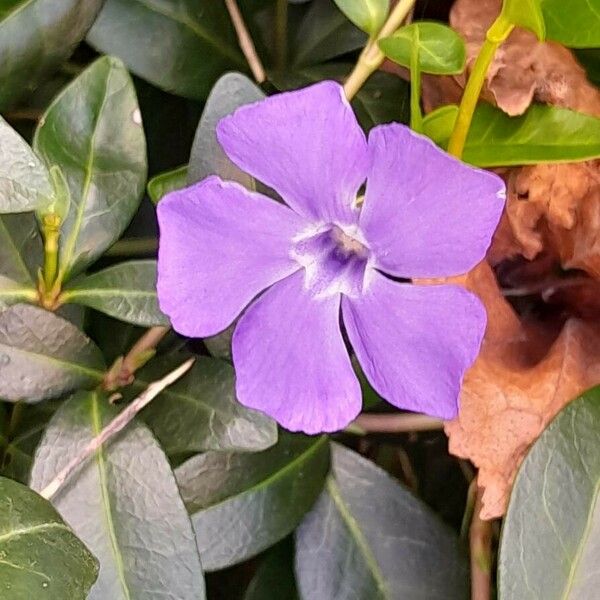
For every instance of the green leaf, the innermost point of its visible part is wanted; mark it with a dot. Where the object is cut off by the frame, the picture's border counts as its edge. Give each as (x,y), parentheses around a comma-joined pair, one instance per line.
(527,14)
(550,540)
(574,23)
(21,248)
(126,291)
(43,356)
(542,134)
(383,98)
(36,36)
(123,503)
(243,503)
(93,132)
(200,412)
(207,157)
(162,184)
(322,34)
(39,554)
(368,15)
(274,577)
(369,538)
(22,436)
(181,47)
(441,49)
(24,180)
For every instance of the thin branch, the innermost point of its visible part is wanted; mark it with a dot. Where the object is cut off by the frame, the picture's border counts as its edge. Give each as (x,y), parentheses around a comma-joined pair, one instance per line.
(116,425)
(402,423)
(245,41)
(480,543)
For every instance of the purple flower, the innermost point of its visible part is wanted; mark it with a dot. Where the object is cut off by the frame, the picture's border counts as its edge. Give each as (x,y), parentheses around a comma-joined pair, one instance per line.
(327,257)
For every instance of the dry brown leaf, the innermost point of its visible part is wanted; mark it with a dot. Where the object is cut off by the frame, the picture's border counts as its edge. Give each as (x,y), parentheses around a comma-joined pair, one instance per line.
(524,375)
(523,70)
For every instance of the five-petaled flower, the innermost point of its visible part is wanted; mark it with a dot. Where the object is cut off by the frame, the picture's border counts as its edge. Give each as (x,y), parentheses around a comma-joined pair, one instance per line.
(327,257)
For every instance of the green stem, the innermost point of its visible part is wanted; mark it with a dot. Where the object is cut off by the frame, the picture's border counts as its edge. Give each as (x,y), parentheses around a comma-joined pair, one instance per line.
(496,34)
(416,117)
(281,34)
(51,233)
(371,57)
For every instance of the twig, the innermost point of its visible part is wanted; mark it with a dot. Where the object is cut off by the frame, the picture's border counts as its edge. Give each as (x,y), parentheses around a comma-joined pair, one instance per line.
(116,425)
(373,423)
(24,114)
(245,40)
(480,542)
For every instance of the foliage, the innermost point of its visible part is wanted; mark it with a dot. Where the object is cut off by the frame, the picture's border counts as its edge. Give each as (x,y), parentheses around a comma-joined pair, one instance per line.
(108,107)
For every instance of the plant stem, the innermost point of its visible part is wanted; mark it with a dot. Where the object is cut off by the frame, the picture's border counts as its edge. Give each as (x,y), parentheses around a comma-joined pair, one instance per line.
(480,544)
(51,234)
(371,57)
(116,425)
(245,41)
(281,33)
(496,34)
(396,423)
(416,118)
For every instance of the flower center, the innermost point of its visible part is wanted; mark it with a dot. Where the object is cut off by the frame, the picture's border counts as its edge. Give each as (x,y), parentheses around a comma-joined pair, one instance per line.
(334,259)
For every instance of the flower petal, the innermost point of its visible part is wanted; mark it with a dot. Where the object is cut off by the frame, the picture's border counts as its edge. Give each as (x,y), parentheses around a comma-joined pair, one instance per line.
(220,246)
(291,361)
(415,342)
(305,144)
(426,214)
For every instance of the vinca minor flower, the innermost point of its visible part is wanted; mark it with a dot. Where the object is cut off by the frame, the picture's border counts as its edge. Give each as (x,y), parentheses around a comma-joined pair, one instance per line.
(328,257)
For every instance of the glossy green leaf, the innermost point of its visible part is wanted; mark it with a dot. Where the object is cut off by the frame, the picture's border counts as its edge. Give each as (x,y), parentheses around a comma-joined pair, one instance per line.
(200,412)
(542,134)
(368,15)
(126,291)
(369,538)
(36,36)
(181,47)
(39,555)
(574,23)
(43,356)
(123,503)
(274,577)
(526,14)
(322,34)
(21,437)
(383,99)
(93,132)
(207,157)
(243,503)
(550,538)
(162,184)
(21,249)
(24,180)
(441,51)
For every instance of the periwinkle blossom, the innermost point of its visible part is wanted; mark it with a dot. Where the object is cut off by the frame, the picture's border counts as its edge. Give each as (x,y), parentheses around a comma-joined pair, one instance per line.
(330,255)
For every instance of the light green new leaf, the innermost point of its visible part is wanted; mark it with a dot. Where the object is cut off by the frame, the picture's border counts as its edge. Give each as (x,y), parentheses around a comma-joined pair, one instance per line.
(207,157)
(24,180)
(36,36)
(123,503)
(441,50)
(368,15)
(181,47)
(93,132)
(243,503)
(200,411)
(44,356)
(527,14)
(126,291)
(542,134)
(39,555)
(369,538)
(169,181)
(550,537)
(574,23)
